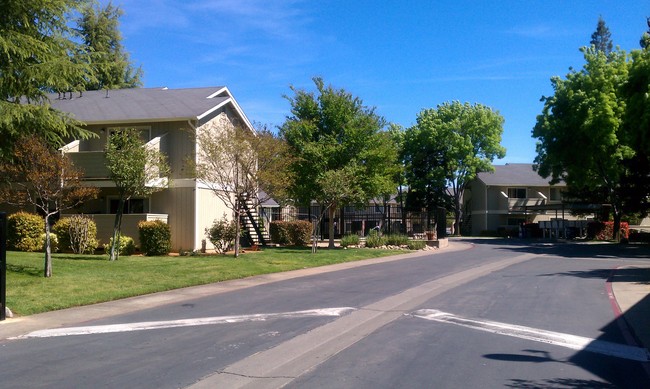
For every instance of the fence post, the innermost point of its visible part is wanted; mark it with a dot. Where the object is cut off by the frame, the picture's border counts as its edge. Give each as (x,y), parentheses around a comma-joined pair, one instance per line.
(3,266)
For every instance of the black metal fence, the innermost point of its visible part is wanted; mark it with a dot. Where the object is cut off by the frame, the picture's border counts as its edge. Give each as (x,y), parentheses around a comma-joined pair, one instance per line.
(350,220)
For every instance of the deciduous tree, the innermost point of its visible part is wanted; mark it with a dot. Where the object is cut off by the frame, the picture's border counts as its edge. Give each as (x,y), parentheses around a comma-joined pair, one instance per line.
(335,137)
(448,147)
(137,171)
(579,132)
(44,178)
(235,162)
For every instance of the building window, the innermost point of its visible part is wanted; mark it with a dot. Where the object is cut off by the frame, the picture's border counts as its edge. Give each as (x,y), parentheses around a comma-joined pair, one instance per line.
(556,194)
(130,206)
(517,193)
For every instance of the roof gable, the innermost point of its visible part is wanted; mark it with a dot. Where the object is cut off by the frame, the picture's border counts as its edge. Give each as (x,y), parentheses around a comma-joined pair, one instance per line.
(514,174)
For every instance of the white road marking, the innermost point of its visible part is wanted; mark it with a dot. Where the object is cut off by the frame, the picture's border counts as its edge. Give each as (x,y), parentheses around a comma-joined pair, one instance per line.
(152,325)
(555,338)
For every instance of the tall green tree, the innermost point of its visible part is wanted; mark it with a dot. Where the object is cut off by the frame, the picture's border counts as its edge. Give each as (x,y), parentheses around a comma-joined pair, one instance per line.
(44,178)
(645,38)
(580,137)
(137,171)
(636,127)
(343,157)
(110,64)
(601,39)
(448,147)
(36,44)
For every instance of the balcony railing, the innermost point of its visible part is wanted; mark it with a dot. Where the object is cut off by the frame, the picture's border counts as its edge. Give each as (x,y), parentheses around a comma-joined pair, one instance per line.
(93,163)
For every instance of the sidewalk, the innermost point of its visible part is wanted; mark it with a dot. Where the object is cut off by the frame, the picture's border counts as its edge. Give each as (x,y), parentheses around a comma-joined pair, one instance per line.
(631,288)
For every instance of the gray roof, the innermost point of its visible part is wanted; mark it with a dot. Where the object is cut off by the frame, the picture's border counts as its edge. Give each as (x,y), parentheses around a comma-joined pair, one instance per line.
(143,104)
(515,174)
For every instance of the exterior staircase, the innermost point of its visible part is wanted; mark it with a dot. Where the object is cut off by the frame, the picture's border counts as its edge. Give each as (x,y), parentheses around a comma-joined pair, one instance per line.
(251,223)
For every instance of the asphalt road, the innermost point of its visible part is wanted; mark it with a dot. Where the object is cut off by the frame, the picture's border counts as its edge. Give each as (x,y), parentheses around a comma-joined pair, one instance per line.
(492,314)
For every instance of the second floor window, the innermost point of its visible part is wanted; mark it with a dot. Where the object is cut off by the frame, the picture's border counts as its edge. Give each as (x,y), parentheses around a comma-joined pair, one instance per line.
(517,193)
(130,206)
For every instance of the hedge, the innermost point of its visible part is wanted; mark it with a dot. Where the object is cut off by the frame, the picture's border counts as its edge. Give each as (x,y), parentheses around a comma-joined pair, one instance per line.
(291,233)
(155,237)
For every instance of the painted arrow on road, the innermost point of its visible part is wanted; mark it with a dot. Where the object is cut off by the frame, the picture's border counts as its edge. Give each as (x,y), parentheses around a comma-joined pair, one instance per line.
(153,325)
(555,338)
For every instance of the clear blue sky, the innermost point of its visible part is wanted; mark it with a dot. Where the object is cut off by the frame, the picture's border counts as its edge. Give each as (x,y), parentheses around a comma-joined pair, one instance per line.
(397,56)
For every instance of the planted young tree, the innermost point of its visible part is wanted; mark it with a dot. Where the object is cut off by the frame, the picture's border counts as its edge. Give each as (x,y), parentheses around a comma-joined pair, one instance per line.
(44,178)
(335,137)
(35,47)
(136,170)
(587,109)
(448,147)
(234,162)
(110,64)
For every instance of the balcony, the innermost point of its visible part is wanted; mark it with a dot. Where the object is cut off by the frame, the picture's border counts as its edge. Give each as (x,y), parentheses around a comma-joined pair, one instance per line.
(93,163)
(520,204)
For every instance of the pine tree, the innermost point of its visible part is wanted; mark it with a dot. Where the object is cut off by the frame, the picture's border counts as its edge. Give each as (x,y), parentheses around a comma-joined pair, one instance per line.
(35,47)
(109,62)
(601,39)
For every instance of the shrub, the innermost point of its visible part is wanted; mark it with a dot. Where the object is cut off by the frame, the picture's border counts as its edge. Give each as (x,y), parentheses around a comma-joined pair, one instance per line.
(605,230)
(127,246)
(222,234)
(397,240)
(350,240)
(290,233)
(300,232)
(54,242)
(24,232)
(416,244)
(155,237)
(374,239)
(279,231)
(77,233)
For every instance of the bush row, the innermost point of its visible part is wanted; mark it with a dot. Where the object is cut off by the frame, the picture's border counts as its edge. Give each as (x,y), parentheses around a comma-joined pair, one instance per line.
(291,233)
(605,230)
(78,234)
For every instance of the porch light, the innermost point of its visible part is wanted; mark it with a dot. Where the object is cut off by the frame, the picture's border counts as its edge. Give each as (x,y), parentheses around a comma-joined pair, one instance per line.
(542,195)
(504,194)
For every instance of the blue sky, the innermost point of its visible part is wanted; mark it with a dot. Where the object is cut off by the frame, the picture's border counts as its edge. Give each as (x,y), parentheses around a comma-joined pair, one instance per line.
(397,56)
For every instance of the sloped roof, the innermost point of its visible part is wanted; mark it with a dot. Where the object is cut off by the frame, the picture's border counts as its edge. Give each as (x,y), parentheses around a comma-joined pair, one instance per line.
(515,174)
(144,104)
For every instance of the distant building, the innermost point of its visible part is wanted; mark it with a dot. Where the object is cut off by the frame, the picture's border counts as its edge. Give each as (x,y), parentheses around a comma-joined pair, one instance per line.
(511,195)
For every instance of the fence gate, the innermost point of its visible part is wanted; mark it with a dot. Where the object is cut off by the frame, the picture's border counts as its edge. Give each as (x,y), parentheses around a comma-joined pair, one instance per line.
(3,265)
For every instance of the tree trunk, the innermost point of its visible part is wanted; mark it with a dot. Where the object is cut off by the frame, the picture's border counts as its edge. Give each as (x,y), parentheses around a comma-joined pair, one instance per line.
(47,268)
(331,211)
(237,228)
(115,247)
(616,233)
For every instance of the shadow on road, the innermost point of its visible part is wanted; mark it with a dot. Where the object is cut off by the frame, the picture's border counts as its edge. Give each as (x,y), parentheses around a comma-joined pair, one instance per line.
(568,249)
(617,372)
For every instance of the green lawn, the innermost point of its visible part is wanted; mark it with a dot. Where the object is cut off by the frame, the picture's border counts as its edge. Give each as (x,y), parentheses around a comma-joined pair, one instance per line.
(87,279)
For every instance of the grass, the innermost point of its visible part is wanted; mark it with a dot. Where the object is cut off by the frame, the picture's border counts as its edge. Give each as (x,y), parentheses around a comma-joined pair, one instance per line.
(87,279)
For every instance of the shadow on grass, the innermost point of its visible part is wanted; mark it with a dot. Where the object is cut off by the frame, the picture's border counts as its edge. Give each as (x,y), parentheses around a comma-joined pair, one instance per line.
(26,270)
